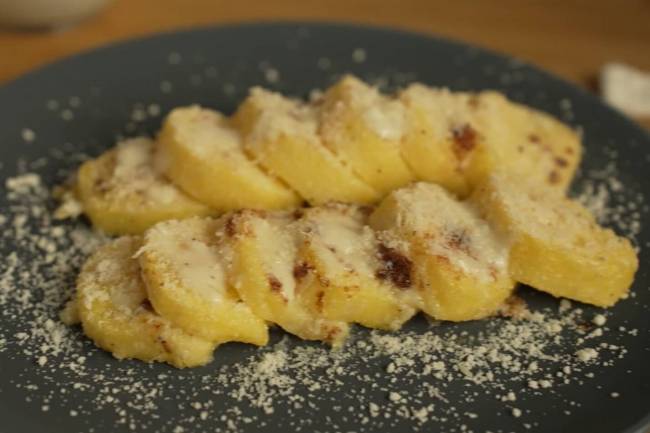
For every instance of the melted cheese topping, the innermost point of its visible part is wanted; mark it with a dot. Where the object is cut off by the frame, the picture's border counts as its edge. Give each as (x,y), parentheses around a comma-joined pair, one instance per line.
(112,275)
(277,241)
(453,230)
(134,174)
(191,253)
(441,110)
(340,240)
(132,155)
(277,116)
(383,116)
(208,131)
(386,119)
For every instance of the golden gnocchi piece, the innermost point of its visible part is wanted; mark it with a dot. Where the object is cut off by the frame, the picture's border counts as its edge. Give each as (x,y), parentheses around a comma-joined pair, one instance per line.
(343,273)
(365,129)
(460,266)
(523,141)
(281,135)
(184,269)
(202,153)
(457,139)
(557,246)
(441,137)
(122,193)
(116,314)
(264,265)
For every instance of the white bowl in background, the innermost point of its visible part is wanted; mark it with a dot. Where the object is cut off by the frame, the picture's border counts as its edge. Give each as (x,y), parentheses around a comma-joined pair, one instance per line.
(47,13)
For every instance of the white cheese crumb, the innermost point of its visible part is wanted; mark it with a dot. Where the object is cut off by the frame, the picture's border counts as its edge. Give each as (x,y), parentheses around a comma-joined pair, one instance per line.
(555,327)
(390,368)
(23,183)
(166,86)
(153,110)
(516,412)
(587,354)
(272,75)
(74,101)
(174,58)
(74,413)
(138,115)
(324,63)
(599,320)
(394,397)
(565,104)
(359,55)
(598,332)
(28,135)
(52,105)
(615,395)
(42,360)
(67,115)
(438,365)
(565,305)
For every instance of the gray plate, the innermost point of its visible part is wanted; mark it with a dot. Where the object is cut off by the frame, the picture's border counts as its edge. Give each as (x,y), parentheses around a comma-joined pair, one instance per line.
(215,67)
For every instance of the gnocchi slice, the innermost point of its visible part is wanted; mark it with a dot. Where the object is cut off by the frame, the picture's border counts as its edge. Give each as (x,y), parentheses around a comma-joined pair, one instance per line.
(365,129)
(460,264)
(441,138)
(122,193)
(202,153)
(557,246)
(344,274)
(281,134)
(457,139)
(523,141)
(116,314)
(184,269)
(264,268)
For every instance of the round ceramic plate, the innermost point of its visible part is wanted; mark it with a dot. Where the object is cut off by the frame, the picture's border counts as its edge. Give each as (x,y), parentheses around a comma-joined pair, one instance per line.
(497,375)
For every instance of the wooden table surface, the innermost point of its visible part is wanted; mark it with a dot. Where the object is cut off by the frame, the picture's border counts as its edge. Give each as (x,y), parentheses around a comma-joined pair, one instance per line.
(571,38)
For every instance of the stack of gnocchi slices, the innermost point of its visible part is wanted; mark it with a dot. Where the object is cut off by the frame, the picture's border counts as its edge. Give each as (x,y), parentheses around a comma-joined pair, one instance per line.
(427,201)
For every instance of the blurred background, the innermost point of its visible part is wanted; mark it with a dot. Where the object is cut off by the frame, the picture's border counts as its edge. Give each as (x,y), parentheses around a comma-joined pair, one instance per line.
(574,39)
